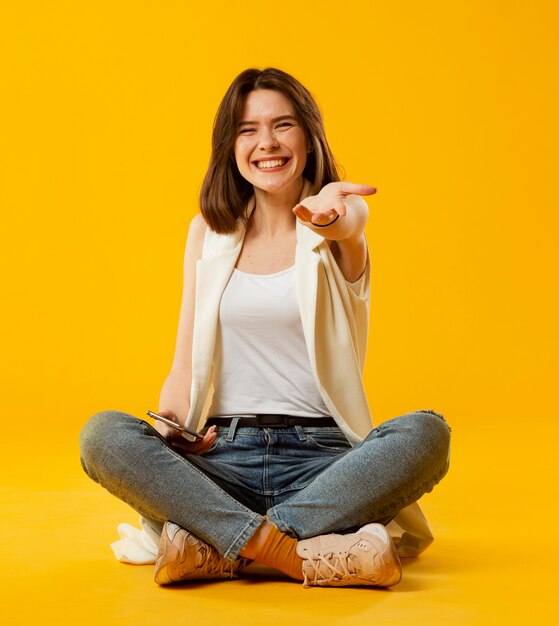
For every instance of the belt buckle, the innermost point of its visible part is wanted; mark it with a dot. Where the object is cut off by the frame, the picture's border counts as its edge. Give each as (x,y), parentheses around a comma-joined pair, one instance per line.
(271,421)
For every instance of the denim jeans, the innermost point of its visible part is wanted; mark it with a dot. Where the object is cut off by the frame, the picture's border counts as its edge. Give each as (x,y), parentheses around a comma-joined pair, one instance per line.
(308,481)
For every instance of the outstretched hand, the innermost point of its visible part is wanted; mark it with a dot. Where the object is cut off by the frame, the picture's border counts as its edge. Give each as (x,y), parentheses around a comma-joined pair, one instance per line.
(179,440)
(329,202)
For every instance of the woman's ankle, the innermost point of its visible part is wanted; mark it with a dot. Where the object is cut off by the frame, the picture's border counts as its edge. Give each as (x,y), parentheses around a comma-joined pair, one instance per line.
(257,540)
(269,546)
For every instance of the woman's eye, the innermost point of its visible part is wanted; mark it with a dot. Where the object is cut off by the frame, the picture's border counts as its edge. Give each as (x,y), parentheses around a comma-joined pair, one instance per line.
(284,124)
(244,131)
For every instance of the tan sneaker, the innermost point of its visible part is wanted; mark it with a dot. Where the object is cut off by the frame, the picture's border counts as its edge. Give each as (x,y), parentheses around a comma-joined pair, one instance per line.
(367,557)
(182,556)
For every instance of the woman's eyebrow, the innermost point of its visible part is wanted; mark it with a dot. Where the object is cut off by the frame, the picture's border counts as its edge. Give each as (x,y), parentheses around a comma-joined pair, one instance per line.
(275,119)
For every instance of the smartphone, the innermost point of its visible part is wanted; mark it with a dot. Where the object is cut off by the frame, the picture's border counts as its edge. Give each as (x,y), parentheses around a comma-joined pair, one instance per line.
(175,425)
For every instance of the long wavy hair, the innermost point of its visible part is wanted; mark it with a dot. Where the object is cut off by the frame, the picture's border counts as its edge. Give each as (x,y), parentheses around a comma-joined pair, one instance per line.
(225,193)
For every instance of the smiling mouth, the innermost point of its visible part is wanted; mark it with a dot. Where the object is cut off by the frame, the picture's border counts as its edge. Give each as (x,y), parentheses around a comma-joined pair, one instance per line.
(270,163)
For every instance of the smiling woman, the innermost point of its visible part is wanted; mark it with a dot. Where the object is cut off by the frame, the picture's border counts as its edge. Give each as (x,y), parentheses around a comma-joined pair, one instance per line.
(225,191)
(268,363)
(271,147)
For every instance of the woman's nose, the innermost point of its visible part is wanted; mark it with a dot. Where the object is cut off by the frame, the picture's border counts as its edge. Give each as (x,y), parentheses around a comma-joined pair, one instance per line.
(268,141)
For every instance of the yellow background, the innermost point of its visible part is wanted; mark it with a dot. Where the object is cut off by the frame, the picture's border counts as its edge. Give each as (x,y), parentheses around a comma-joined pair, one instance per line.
(450,109)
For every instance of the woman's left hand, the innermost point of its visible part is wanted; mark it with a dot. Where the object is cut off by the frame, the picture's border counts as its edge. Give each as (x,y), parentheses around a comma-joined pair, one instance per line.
(322,209)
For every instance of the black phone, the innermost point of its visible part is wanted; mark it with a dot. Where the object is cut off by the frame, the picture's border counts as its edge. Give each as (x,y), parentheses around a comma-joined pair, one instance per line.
(169,422)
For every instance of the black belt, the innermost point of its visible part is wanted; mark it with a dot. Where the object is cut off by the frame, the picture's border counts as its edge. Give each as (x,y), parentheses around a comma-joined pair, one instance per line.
(272,421)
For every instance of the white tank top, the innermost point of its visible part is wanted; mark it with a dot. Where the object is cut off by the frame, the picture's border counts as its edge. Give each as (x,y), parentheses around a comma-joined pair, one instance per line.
(261,364)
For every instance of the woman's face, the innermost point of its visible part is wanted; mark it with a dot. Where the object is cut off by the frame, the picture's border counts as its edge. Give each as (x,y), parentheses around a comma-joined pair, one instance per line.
(270,147)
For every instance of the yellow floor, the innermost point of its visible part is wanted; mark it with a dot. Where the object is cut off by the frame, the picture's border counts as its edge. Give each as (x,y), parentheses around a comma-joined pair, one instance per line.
(492,561)
(449,107)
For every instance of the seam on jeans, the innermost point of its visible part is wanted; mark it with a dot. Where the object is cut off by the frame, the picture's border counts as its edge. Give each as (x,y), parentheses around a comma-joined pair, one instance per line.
(320,446)
(296,486)
(266,467)
(206,478)
(242,538)
(275,518)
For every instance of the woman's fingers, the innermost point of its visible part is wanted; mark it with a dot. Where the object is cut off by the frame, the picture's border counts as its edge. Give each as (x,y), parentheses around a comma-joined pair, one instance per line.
(324,218)
(320,216)
(302,212)
(200,445)
(209,437)
(166,431)
(180,440)
(323,208)
(339,207)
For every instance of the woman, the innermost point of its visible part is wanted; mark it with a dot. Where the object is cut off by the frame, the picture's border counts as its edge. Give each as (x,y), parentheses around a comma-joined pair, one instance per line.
(271,344)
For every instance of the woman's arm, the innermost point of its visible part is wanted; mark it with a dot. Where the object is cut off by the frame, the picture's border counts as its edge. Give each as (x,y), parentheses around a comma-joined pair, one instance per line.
(346,233)
(174,400)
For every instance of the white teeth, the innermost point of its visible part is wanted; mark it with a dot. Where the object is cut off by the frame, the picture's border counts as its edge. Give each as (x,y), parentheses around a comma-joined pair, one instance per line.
(267,164)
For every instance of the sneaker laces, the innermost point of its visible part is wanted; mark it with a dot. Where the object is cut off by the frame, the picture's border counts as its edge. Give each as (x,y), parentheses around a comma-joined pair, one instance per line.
(334,565)
(211,561)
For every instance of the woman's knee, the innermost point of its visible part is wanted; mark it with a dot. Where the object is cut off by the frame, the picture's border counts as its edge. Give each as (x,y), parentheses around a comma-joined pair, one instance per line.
(434,432)
(102,434)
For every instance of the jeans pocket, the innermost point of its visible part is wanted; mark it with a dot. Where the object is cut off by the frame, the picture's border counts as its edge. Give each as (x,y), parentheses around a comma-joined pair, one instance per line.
(330,439)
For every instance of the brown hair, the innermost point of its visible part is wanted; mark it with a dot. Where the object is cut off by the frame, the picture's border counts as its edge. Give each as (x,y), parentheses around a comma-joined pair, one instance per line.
(225,192)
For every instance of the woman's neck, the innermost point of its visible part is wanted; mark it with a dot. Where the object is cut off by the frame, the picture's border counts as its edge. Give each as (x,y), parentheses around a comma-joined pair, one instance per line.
(272,214)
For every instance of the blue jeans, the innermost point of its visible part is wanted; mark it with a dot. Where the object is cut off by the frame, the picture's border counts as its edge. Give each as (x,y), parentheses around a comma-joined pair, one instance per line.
(308,481)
